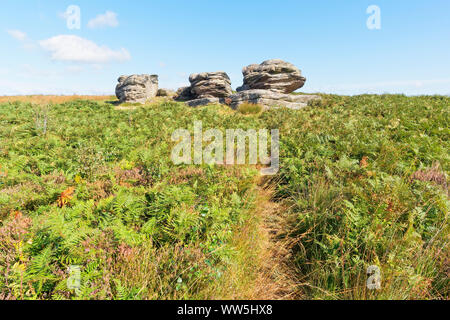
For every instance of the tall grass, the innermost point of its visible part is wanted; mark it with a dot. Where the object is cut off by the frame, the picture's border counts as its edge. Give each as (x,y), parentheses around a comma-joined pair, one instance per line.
(359,185)
(347,175)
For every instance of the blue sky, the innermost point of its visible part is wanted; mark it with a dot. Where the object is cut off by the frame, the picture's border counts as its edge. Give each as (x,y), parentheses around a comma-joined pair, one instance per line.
(327,39)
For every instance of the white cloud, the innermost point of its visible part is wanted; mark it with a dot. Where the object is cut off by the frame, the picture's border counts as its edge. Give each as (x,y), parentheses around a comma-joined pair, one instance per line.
(70,48)
(18,35)
(107,19)
(22,37)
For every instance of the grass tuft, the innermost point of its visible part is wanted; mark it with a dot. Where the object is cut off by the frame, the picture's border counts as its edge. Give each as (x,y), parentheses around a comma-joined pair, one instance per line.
(250,108)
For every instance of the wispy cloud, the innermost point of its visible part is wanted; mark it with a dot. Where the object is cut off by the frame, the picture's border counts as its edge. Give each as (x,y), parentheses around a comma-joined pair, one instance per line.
(397,86)
(107,19)
(71,48)
(18,35)
(22,37)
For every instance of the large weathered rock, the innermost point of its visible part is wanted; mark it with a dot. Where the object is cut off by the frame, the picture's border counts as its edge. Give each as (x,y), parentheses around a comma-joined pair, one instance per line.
(270,99)
(210,85)
(206,86)
(275,75)
(137,88)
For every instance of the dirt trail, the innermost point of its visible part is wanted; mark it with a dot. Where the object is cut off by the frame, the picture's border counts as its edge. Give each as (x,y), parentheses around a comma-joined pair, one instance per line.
(276,280)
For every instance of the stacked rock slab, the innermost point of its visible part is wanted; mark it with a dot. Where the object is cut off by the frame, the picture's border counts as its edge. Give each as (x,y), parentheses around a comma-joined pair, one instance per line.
(270,99)
(274,75)
(206,88)
(137,88)
(210,85)
(270,84)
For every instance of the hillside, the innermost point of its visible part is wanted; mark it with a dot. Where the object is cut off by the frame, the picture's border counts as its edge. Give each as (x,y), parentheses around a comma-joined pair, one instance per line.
(363,181)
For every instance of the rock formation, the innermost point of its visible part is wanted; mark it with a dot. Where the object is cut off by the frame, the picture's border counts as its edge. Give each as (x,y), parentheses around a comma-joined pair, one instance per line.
(270,99)
(275,75)
(269,84)
(206,88)
(137,88)
(210,85)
